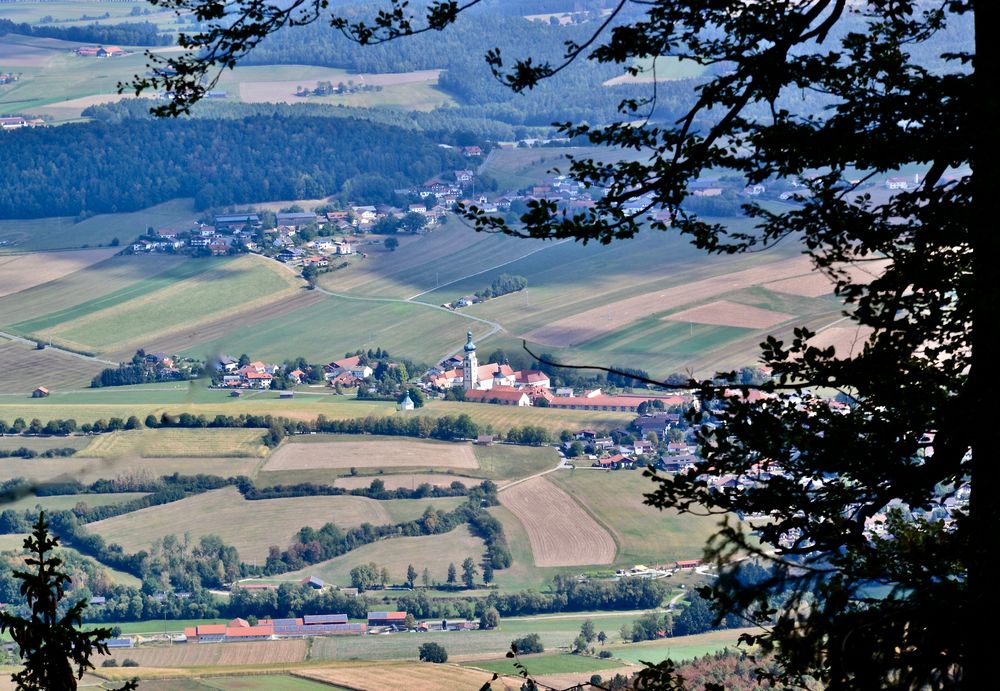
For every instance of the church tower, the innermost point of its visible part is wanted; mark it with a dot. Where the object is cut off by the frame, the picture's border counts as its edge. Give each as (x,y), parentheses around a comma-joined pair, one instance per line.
(470,366)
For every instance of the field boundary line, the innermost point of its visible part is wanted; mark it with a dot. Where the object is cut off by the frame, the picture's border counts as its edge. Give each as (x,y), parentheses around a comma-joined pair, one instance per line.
(531,477)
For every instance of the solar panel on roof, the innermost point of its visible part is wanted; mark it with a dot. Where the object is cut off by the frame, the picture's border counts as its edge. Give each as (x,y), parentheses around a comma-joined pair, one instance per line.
(325,619)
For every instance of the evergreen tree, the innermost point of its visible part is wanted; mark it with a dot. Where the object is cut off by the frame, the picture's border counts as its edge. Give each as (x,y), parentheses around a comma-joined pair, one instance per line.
(56,653)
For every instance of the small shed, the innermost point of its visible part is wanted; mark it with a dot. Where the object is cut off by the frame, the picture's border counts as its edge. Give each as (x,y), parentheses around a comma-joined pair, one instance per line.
(407,403)
(236,394)
(40,392)
(286,394)
(484,440)
(313,582)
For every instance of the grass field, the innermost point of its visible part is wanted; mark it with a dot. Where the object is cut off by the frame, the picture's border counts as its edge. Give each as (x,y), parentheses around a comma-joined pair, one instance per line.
(331,326)
(560,532)
(278,84)
(52,74)
(112,277)
(56,303)
(63,502)
(681,648)
(26,367)
(229,285)
(62,233)
(253,526)
(177,443)
(433,552)
(71,12)
(643,534)
(508,462)
(406,480)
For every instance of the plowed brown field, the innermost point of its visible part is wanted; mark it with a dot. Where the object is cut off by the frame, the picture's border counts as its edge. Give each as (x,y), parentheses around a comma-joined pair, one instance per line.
(590,324)
(726,313)
(561,533)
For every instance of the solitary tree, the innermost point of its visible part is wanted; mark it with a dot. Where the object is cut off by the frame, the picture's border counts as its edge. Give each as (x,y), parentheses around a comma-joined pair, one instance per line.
(490,618)
(433,652)
(55,651)
(824,97)
(587,630)
(411,575)
(452,574)
(469,572)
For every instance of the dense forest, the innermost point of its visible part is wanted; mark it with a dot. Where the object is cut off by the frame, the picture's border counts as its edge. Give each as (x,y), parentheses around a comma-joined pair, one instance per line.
(102,168)
(128,34)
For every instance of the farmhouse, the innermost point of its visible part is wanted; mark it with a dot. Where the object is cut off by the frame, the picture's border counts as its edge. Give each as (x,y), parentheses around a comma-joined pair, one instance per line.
(296,219)
(386,619)
(349,365)
(236,221)
(12,123)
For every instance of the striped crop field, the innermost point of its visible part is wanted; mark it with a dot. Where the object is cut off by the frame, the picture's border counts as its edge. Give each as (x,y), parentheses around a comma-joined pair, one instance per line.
(560,532)
(231,285)
(25,367)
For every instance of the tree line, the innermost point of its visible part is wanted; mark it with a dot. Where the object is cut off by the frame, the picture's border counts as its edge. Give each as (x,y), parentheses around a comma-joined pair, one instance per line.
(127,33)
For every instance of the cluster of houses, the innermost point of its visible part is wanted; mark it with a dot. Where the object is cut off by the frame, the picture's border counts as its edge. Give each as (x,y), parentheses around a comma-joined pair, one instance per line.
(348,372)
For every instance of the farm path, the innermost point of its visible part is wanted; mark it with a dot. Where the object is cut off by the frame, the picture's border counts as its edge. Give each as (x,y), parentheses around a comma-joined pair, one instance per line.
(561,464)
(91,358)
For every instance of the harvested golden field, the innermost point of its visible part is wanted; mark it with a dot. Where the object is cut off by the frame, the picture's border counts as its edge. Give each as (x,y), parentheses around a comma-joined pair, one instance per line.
(220,654)
(177,443)
(410,675)
(560,531)
(88,470)
(406,480)
(328,451)
(22,271)
(25,367)
(249,526)
(726,313)
(847,341)
(598,321)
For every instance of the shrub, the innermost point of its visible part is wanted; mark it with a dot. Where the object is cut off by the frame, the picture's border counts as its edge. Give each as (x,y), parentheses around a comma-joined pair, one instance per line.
(110,662)
(604,653)
(129,662)
(433,652)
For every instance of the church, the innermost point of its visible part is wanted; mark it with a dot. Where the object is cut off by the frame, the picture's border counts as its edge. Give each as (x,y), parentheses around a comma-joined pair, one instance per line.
(472,376)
